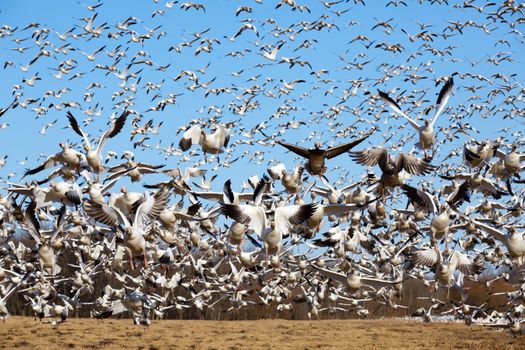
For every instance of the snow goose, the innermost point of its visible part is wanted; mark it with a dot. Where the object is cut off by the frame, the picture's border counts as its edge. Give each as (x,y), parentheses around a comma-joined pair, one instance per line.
(210,143)
(422,200)
(170,216)
(514,239)
(444,271)
(474,182)
(133,169)
(270,232)
(96,191)
(4,313)
(124,201)
(46,251)
(355,281)
(69,157)
(94,155)
(427,137)
(226,196)
(149,208)
(512,161)
(391,169)
(64,192)
(480,153)
(330,210)
(291,181)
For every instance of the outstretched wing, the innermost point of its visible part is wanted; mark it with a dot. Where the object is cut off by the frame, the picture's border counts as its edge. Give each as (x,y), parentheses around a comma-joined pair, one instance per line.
(336,276)
(420,197)
(345,147)
(370,157)
(113,130)
(50,162)
(76,128)
(303,152)
(426,257)
(105,214)
(393,104)
(250,215)
(192,136)
(462,263)
(442,99)
(413,165)
(286,217)
(151,207)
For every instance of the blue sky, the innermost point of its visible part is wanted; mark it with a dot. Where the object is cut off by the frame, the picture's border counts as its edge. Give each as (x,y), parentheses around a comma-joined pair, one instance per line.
(310,101)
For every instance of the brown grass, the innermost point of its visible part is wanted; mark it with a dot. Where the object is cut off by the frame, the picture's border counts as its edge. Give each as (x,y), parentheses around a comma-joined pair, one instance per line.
(24,332)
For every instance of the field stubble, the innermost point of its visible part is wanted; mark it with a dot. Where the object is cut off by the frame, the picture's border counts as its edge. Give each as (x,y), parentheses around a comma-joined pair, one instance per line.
(24,332)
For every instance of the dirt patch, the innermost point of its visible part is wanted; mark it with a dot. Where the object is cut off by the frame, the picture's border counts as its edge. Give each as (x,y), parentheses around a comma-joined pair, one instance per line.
(23,332)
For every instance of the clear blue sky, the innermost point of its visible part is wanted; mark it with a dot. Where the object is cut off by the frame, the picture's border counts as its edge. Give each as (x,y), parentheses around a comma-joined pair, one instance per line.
(328,49)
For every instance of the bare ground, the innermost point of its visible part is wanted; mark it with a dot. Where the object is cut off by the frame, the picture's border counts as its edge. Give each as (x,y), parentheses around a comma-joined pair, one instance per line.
(24,332)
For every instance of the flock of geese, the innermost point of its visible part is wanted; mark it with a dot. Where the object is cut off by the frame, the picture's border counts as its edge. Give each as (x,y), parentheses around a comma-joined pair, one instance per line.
(73,238)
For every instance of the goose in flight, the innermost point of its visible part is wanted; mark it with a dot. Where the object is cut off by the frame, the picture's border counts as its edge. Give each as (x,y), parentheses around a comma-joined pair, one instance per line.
(316,156)
(509,166)
(46,252)
(433,258)
(213,143)
(149,208)
(354,281)
(94,155)
(512,161)
(62,192)
(291,181)
(427,137)
(6,293)
(226,196)
(422,201)
(68,157)
(133,169)
(391,168)
(476,154)
(254,216)
(514,239)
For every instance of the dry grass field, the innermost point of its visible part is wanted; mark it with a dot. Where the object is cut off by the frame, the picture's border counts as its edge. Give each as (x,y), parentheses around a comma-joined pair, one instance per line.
(24,332)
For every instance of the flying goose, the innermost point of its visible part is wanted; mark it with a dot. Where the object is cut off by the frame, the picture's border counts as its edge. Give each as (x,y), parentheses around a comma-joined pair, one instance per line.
(210,143)
(133,169)
(46,251)
(427,137)
(149,208)
(272,232)
(514,239)
(69,157)
(344,240)
(512,161)
(226,196)
(444,271)
(422,200)
(170,216)
(477,154)
(354,281)
(62,192)
(6,294)
(291,181)
(392,169)
(316,156)
(94,155)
